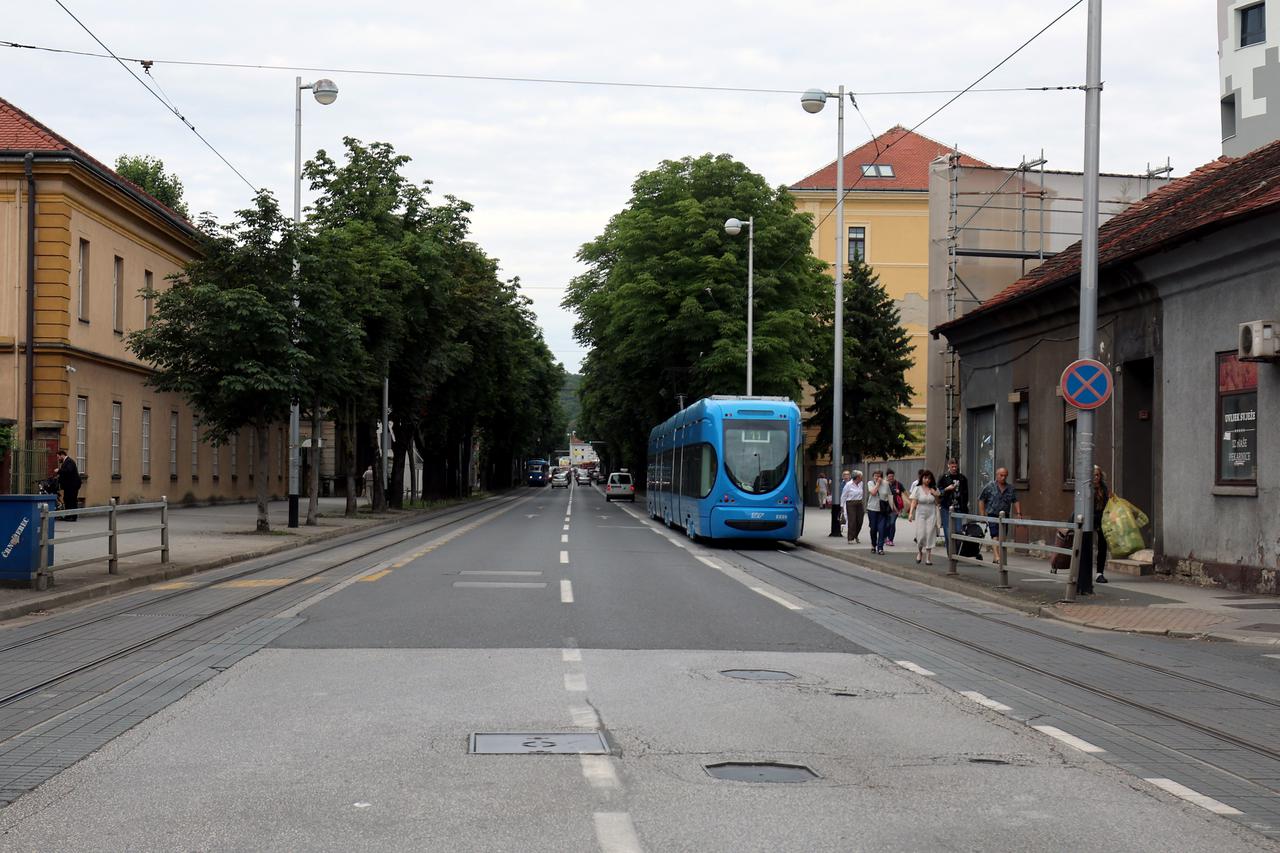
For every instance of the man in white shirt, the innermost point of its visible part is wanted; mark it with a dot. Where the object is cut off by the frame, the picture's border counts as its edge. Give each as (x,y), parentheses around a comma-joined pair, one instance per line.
(853,499)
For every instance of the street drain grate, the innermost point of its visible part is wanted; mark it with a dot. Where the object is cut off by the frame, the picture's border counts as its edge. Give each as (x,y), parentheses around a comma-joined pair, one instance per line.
(767,771)
(997,761)
(758,674)
(538,743)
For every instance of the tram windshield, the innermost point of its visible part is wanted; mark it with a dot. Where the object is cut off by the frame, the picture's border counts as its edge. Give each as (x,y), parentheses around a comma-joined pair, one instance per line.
(756,454)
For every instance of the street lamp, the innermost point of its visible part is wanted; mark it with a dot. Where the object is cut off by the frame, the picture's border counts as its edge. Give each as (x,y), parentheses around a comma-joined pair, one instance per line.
(325,92)
(733,227)
(813,101)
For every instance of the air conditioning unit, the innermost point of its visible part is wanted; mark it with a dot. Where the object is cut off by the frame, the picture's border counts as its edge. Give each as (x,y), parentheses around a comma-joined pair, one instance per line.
(1259,341)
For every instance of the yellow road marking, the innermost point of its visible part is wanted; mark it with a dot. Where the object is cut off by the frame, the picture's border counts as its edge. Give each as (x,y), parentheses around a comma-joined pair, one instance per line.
(376,576)
(176,585)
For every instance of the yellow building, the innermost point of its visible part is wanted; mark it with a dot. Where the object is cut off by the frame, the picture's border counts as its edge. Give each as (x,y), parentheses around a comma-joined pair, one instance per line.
(99,242)
(886,219)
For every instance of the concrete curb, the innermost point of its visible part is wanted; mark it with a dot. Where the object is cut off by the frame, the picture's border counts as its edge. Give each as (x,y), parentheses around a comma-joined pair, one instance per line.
(112,585)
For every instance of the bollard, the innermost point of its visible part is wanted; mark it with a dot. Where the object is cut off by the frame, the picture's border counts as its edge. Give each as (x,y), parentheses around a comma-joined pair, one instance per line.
(113,560)
(1073,574)
(164,529)
(1004,554)
(41,580)
(953,568)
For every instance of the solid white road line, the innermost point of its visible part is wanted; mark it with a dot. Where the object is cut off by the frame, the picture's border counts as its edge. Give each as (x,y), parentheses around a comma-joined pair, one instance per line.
(1196,797)
(571,655)
(584,716)
(616,833)
(564,556)
(566,595)
(777,598)
(575,682)
(1069,740)
(914,667)
(984,701)
(598,771)
(496,572)
(1277,657)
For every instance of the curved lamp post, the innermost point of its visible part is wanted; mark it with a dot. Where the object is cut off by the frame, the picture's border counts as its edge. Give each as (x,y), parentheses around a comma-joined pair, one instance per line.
(733,227)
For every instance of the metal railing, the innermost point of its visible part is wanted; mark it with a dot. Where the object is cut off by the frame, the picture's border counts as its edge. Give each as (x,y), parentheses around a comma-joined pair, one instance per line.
(44,571)
(1004,543)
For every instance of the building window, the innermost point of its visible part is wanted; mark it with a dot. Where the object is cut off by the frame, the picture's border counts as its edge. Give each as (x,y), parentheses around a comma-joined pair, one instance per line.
(1253,24)
(1069,413)
(215,460)
(117,294)
(117,415)
(877,170)
(857,244)
(148,298)
(82,284)
(1237,421)
(1228,117)
(235,455)
(146,443)
(82,433)
(195,449)
(1022,438)
(173,445)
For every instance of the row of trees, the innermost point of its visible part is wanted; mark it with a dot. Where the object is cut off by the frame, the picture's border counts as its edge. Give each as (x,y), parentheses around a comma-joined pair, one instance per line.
(662,308)
(378,282)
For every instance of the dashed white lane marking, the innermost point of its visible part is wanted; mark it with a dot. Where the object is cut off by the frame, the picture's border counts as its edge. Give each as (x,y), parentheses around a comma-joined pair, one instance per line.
(776,598)
(1277,657)
(497,572)
(584,716)
(566,596)
(1182,791)
(564,537)
(598,771)
(914,667)
(564,556)
(571,655)
(985,701)
(1069,740)
(566,527)
(616,833)
(575,682)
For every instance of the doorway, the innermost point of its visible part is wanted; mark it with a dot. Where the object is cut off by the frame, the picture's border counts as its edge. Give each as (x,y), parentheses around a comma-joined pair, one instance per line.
(1136,477)
(981,464)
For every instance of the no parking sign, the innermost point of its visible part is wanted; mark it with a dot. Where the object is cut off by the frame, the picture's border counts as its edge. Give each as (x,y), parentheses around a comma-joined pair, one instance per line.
(1086,383)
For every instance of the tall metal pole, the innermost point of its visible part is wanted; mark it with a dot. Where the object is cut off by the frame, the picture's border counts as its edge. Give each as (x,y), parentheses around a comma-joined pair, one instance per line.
(385,439)
(294,410)
(751,300)
(837,380)
(1089,258)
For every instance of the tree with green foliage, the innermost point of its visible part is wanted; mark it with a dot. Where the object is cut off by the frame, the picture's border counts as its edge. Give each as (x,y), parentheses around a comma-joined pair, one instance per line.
(662,306)
(222,334)
(148,172)
(877,355)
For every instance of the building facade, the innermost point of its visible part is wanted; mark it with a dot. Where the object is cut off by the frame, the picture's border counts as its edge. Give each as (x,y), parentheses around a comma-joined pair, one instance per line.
(1248,73)
(100,243)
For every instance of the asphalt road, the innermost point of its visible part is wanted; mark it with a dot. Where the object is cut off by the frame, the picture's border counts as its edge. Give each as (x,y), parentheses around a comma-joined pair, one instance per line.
(562,613)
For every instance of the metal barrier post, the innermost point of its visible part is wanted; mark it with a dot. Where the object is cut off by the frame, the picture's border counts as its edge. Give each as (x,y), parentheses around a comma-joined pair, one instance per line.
(1004,556)
(1073,574)
(164,529)
(952,565)
(41,580)
(113,563)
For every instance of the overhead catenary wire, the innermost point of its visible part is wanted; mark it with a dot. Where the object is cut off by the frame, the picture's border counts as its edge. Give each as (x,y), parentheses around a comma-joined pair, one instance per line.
(162,99)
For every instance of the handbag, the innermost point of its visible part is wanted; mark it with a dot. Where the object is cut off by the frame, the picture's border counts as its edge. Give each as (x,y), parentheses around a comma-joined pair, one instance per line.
(1062,538)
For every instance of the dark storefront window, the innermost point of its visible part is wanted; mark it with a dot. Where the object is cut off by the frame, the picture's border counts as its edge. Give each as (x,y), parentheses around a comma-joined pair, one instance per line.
(1237,424)
(1069,413)
(1022,439)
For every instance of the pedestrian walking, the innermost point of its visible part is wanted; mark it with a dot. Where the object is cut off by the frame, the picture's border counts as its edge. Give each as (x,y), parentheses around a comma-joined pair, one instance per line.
(897,506)
(879,499)
(852,498)
(1095,542)
(368,484)
(998,496)
(924,513)
(954,489)
(824,491)
(69,481)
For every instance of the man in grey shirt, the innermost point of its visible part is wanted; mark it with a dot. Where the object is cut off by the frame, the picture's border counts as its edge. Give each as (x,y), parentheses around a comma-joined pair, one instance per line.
(998,496)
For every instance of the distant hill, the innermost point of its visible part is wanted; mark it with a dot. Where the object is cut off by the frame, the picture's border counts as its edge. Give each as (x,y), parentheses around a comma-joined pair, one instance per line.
(569,402)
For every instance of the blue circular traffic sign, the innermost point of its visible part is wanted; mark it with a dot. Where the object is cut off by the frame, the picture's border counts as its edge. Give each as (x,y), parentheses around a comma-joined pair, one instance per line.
(1086,383)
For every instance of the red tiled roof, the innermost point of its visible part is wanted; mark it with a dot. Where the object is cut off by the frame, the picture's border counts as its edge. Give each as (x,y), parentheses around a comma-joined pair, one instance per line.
(20,133)
(908,153)
(1219,192)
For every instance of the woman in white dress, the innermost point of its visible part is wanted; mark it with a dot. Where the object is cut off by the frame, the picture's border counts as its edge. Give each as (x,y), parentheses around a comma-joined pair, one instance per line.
(924,514)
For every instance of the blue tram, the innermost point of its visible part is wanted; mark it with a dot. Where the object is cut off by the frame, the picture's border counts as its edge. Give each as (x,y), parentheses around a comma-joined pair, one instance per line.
(729,468)
(537,472)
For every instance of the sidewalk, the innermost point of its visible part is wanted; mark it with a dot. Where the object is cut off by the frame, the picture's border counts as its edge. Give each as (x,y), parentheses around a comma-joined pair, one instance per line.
(200,538)
(1147,605)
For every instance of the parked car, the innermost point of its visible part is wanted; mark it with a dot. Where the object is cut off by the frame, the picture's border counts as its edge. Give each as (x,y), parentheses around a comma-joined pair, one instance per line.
(620,486)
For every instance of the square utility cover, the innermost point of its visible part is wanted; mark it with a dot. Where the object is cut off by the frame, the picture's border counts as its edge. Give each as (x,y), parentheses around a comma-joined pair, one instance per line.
(518,743)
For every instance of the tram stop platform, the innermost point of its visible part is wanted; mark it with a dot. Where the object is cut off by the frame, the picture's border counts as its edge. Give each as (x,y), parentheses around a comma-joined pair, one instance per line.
(200,538)
(1149,604)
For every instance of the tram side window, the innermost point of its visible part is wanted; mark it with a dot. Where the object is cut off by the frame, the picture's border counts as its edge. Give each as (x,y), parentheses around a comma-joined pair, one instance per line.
(706,469)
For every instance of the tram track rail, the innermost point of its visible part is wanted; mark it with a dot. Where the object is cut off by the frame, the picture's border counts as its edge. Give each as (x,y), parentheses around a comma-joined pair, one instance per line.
(1264,750)
(461,515)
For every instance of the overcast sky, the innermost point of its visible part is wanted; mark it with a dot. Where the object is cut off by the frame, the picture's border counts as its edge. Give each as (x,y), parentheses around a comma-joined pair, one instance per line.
(547,164)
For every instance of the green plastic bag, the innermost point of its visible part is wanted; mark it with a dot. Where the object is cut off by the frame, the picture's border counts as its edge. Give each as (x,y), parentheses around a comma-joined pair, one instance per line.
(1122,524)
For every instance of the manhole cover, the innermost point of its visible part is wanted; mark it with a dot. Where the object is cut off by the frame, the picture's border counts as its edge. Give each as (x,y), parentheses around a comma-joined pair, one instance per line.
(758,674)
(527,743)
(739,771)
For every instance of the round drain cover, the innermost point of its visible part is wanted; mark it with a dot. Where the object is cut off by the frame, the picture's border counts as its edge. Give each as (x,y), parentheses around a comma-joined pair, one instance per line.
(767,771)
(758,674)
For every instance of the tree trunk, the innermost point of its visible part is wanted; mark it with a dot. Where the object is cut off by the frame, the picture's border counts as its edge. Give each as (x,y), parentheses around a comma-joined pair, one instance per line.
(349,457)
(263,442)
(313,485)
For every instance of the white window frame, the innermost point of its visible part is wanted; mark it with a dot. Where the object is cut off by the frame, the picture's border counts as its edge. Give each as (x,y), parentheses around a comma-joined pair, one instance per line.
(117,417)
(82,283)
(195,449)
(117,294)
(149,300)
(146,442)
(173,445)
(82,433)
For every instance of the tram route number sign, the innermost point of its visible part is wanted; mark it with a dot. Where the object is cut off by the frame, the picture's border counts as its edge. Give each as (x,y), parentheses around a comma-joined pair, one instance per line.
(1086,383)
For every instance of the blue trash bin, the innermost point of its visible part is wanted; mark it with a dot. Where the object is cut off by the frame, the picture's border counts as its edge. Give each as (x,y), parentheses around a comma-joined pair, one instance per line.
(20,535)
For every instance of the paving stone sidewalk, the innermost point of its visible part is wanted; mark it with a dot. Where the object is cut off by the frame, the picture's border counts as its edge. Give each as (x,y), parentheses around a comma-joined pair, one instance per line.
(200,538)
(1147,605)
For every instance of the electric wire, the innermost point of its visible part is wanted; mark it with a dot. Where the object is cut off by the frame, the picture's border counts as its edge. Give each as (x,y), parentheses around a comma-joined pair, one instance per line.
(156,95)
